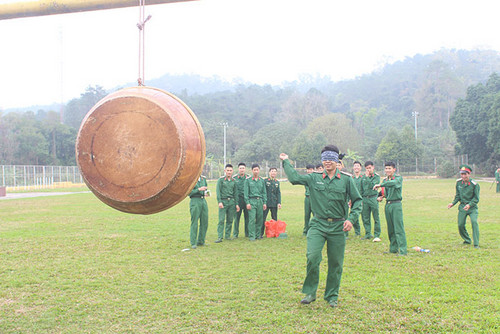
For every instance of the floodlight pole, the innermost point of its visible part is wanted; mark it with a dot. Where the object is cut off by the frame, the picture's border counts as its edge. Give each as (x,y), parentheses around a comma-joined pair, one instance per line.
(224,124)
(415,114)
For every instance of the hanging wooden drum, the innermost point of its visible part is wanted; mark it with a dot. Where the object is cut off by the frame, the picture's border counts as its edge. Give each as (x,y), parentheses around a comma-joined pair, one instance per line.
(140,150)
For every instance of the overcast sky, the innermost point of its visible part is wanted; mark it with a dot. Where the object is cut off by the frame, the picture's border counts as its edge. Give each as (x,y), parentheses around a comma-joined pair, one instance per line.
(54,58)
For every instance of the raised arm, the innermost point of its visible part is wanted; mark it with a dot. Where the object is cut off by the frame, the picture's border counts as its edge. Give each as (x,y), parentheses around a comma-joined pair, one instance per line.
(293,176)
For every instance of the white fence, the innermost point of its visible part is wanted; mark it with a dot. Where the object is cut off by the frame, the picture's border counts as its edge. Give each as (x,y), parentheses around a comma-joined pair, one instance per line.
(19,177)
(37,177)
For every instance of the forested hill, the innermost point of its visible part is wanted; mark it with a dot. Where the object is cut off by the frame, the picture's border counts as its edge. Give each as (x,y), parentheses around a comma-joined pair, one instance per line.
(369,117)
(357,114)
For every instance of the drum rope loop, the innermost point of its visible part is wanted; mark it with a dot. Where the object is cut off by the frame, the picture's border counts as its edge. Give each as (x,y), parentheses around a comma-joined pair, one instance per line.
(141,25)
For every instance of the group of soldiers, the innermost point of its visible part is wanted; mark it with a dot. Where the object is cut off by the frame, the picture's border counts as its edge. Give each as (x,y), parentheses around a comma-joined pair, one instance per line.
(332,193)
(251,195)
(334,200)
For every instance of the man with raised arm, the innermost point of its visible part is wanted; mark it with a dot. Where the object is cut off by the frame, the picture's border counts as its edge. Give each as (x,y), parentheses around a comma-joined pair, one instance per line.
(329,193)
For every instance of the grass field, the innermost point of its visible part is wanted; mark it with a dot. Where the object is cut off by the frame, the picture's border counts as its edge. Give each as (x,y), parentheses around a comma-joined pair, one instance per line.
(70,264)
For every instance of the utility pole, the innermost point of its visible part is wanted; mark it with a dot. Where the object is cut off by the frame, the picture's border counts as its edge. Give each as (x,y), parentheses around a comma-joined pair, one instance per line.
(61,107)
(224,124)
(415,114)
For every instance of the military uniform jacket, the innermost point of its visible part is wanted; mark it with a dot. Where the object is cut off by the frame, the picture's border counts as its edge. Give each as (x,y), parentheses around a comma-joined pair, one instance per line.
(329,197)
(255,188)
(240,181)
(393,188)
(466,193)
(307,191)
(367,184)
(227,189)
(357,181)
(273,192)
(202,182)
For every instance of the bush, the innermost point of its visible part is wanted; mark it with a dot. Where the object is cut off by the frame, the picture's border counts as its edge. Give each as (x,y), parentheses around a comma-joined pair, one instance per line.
(446,170)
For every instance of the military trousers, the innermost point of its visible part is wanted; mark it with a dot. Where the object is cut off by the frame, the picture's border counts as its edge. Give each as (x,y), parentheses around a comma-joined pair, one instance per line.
(226,214)
(331,233)
(462,217)
(396,228)
(255,215)
(498,187)
(274,215)
(307,214)
(199,212)
(243,209)
(370,208)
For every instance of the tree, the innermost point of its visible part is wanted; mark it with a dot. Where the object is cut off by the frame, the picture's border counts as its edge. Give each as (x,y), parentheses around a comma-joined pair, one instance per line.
(475,121)
(352,156)
(337,129)
(8,143)
(268,143)
(438,92)
(301,109)
(33,147)
(399,146)
(306,150)
(76,109)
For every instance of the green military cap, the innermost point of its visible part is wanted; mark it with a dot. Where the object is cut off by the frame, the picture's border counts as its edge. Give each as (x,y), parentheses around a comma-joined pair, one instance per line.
(465,169)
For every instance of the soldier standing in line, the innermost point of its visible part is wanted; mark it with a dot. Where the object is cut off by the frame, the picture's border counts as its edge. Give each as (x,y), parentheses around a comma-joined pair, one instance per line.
(357,176)
(199,212)
(340,163)
(329,193)
(256,199)
(240,180)
(370,203)
(307,203)
(393,191)
(467,193)
(273,193)
(227,194)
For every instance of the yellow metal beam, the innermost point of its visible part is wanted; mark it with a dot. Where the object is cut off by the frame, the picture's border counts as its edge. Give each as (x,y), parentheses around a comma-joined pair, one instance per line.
(31,8)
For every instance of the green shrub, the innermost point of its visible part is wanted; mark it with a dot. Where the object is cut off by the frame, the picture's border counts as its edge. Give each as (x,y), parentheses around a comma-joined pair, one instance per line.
(446,170)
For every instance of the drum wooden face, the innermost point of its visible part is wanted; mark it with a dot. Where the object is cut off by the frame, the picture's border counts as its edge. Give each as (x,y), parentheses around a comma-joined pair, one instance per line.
(140,150)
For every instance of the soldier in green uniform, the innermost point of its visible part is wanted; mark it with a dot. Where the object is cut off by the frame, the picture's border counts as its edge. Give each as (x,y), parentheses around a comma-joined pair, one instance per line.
(307,203)
(273,193)
(467,193)
(199,212)
(330,192)
(240,180)
(256,199)
(370,203)
(340,163)
(393,188)
(357,176)
(497,179)
(227,194)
